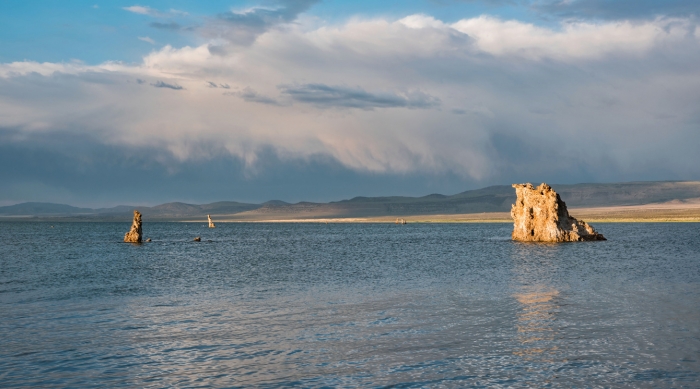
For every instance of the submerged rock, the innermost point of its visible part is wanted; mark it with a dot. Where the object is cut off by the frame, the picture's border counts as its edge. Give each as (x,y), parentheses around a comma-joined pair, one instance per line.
(539,215)
(134,235)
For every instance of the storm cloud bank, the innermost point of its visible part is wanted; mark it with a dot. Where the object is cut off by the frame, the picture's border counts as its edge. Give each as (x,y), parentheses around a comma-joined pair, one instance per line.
(479,101)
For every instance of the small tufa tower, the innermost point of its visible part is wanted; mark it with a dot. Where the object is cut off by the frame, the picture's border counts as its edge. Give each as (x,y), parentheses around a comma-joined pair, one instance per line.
(134,235)
(211,223)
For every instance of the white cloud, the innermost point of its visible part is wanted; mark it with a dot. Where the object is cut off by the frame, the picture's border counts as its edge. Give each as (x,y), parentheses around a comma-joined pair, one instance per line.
(178,12)
(147,39)
(577,40)
(578,95)
(144,10)
(421,21)
(141,10)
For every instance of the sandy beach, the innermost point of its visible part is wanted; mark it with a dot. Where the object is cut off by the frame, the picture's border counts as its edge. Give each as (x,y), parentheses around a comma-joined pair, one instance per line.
(675,211)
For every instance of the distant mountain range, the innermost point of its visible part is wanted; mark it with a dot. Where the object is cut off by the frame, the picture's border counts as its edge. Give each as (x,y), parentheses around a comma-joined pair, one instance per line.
(490,199)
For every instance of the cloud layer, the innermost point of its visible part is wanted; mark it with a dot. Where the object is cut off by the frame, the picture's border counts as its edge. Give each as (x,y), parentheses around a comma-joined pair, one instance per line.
(481,100)
(327,96)
(243,26)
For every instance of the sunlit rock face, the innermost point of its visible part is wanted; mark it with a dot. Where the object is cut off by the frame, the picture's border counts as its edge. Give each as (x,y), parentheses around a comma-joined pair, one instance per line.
(539,215)
(134,235)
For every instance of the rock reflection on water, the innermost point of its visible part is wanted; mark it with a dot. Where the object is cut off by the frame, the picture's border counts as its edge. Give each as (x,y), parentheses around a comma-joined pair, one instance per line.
(535,322)
(535,266)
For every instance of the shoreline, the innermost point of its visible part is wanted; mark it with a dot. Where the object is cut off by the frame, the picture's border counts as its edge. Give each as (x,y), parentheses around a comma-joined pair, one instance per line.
(650,213)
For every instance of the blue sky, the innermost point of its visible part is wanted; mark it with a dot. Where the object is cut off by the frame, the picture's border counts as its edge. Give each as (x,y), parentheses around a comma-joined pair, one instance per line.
(103,103)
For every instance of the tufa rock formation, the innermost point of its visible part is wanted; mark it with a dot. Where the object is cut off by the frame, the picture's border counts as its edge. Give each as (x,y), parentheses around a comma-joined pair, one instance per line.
(540,215)
(211,223)
(198,239)
(134,236)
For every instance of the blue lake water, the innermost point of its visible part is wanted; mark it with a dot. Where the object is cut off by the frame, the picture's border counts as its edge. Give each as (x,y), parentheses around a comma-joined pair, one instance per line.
(347,305)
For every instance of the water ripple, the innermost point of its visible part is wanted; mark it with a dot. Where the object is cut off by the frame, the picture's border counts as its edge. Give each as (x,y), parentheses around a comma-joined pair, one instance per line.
(307,305)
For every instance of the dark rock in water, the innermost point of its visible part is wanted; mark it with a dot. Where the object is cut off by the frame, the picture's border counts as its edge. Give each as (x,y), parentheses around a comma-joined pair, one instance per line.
(197,239)
(134,235)
(540,215)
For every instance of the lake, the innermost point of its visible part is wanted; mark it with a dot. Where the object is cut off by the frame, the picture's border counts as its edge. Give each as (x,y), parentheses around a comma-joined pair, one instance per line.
(347,305)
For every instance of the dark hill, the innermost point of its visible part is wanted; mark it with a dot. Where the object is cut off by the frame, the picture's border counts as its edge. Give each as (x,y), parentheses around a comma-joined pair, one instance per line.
(491,199)
(36,209)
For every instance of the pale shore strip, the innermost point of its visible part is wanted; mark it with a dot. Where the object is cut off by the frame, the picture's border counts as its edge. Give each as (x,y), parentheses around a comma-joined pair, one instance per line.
(675,211)
(496,217)
(650,213)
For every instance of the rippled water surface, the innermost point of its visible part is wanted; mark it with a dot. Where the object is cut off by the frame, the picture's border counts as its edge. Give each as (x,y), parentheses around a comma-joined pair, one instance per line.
(347,305)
